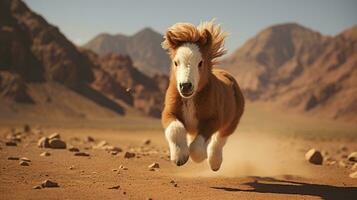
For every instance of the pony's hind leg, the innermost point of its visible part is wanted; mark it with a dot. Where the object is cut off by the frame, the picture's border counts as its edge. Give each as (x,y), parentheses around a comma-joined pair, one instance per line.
(198,149)
(214,150)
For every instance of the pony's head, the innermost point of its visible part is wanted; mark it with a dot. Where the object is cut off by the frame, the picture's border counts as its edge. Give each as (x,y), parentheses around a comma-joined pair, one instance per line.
(193,51)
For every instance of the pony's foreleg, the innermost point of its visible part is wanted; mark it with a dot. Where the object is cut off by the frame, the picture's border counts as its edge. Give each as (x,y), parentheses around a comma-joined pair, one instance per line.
(176,136)
(198,149)
(214,150)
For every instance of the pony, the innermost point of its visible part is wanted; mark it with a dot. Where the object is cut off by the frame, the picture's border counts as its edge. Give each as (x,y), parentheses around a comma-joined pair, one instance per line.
(203,104)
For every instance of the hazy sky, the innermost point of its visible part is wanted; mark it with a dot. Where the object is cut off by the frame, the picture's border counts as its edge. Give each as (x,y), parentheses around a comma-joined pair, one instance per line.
(81,20)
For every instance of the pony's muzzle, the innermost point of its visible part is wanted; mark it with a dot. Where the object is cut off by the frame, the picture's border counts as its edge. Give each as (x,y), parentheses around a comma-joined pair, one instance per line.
(186,88)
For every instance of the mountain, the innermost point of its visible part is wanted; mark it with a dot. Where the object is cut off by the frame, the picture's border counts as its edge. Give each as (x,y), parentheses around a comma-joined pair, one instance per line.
(144,48)
(300,69)
(43,74)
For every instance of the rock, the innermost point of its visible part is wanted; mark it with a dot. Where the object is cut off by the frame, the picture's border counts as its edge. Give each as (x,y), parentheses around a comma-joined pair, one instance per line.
(54,135)
(57,144)
(11,143)
(172,181)
(122,167)
(114,153)
(154,165)
(37,187)
(314,156)
(344,148)
(89,139)
(354,167)
(147,142)
(81,154)
(73,149)
(45,153)
(101,145)
(113,148)
(353,174)
(114,187)
(24,163)
(13,158)
(149,198)
(341,163)
(129,155)
(27,128)
(43,142)
(25,159)
(352,157)
(71,167)
(49,184)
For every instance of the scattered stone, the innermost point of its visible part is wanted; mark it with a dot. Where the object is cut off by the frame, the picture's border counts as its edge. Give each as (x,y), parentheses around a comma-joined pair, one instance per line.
(344,148)
(101,145)
(129,155)
(154,165)
(353,174)
(13,158)
(175,185)
(27,128)
(331,162)
(122,167)
(352,157)
(341,163)
(25,159)
(172,181)
(114,153)
(152,169)
(11,143)
(124,193)
(37,187)
(113,148)
(24,163)
(147,142)
(73,149)
(354,167)
(45,153)
(57,144)
(71,167)
(81,154)
(54,135)
(314,156)
(148,198)
(49,184)
(114,187)
(43,142)
(114,170)
(89,139)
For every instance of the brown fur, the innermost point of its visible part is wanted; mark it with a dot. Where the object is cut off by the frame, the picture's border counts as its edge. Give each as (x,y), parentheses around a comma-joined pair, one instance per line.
(218,101)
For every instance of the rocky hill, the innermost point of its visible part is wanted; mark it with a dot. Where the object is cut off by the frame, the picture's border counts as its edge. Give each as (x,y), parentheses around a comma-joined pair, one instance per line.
(300,69)
(144,48)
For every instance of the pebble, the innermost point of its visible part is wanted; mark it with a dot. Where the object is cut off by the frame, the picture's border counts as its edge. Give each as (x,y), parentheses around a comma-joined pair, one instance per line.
(114,187)
(54,135)
(24,163)
(49,183)
(341,163)
(11,143)
(37,187)
(122,167)
(314,156)
(81,154)
(154,165)
(43,142)
(101,145)
(45,153)
(73,149)
(129,155)
(352,157)
(27,128)
(25,159)
(147,142)
(354,167)
(353,175)
(13,158)
(57,144)
(89,139)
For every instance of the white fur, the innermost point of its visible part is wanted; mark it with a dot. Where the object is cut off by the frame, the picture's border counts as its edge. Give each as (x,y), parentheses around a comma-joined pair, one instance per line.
(198,149)
(214,151)
(176,136)
(188,56)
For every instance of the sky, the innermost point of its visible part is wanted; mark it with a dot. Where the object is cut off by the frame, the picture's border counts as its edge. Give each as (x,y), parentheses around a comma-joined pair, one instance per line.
(81,20)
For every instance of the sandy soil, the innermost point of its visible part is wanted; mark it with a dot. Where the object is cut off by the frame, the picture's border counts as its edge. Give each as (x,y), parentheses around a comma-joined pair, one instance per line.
(256,166)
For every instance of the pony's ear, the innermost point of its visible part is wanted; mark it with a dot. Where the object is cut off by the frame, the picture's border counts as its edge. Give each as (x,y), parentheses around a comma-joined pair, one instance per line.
(205,39)
(170,41)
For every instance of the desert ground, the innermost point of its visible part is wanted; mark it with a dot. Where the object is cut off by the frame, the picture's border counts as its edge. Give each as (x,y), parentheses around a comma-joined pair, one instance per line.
(264,159)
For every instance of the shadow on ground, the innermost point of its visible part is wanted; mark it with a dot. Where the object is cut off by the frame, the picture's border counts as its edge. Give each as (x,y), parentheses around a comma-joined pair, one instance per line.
(272,185)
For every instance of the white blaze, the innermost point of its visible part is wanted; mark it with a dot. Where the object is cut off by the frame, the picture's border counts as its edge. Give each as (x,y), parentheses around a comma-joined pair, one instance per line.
(187,57)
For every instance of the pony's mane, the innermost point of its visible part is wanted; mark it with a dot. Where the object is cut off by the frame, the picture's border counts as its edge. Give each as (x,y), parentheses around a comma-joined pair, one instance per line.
(180,33)
(218,37)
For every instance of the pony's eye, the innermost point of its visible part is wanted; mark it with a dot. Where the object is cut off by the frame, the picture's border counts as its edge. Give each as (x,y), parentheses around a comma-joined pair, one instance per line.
(175,63)
(200,64)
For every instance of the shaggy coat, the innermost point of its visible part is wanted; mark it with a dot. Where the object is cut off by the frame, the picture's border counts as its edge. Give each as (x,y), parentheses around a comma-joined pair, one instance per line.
(217,103)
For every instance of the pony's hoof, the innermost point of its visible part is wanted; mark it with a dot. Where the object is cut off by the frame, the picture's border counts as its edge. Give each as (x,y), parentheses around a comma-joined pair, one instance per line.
(181,161)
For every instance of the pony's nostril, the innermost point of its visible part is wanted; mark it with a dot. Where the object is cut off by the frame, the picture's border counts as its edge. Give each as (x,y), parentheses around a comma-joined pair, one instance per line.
(186,87)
